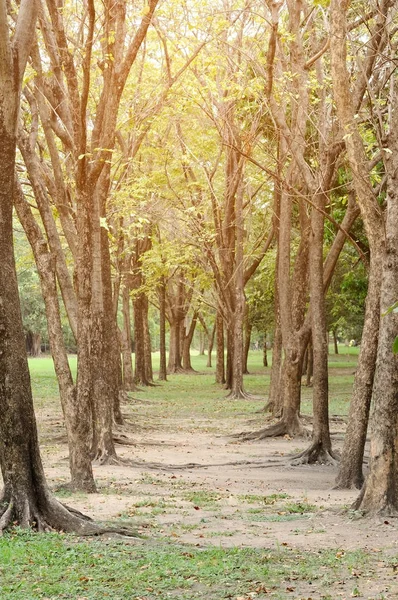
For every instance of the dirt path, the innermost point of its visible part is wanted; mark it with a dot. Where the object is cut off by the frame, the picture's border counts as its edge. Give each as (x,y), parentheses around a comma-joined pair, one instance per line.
(238,498)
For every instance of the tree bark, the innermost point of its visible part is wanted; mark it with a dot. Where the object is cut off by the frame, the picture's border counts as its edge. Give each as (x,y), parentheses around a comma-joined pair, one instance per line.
(211,344)
(350,474)
(380,492)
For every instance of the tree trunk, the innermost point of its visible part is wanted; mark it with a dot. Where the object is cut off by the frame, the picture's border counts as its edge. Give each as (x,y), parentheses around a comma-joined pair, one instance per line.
(201,343)
(162,331)
(320,449)
(104,342)
(265,357)
(140,376)
(46,268)
(275,397)
(26,499)
(335,342)
(33,343)
(211,344)
(380,493)
(350,474)
(220,365)
(175,365)
(187,341)
(128,375)
(248,333)
(147,341)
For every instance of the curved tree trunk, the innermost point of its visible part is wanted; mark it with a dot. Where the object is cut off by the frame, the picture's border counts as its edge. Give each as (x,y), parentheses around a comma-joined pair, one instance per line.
(211,344)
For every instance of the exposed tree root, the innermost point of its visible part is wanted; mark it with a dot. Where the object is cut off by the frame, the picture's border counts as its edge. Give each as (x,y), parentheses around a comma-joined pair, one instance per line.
(278,429)
(316,453)
(51,515)
(123,440)
(239,395)
(185,466)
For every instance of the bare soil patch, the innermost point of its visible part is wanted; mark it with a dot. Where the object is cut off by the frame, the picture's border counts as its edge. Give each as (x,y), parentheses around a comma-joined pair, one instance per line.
(231,495)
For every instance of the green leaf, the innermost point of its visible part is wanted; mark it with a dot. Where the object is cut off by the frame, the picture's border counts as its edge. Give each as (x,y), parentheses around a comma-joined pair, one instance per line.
(395,346)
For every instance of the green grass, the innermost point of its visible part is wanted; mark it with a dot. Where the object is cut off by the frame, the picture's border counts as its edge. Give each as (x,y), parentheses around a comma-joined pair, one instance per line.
(52,566)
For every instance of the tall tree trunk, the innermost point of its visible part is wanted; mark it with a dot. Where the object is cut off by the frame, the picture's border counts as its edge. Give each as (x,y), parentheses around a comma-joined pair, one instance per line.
(147,341)
(102,340)
(140,376)
(380,492)
(350,474)
(26,499)
(320,449)
(162,331)
(128,375)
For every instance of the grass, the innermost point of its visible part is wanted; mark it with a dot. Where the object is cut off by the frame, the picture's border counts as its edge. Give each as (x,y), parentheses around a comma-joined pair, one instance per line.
(53,566)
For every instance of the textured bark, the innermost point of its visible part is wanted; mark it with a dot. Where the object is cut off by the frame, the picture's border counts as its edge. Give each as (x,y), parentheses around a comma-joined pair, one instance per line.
(380,493)
(320,449)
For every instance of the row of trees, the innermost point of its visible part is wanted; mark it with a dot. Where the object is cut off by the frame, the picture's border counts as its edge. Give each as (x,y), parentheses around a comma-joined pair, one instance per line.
(165,152)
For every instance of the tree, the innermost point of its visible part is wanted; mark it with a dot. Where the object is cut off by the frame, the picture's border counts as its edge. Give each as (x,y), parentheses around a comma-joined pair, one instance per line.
(348,104)
(380,492)
(26,499)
